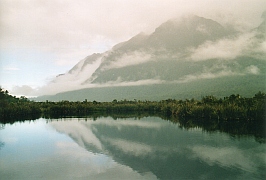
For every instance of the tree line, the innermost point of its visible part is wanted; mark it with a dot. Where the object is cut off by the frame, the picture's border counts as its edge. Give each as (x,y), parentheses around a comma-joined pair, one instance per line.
(232,108)
(209,111)
(17,108)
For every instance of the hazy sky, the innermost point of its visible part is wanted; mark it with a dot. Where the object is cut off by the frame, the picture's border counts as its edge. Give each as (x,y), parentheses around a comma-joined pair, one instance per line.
(42,38)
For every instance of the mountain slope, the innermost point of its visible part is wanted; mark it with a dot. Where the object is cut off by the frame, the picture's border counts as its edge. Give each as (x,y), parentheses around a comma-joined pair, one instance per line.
(192,55)
(219,87)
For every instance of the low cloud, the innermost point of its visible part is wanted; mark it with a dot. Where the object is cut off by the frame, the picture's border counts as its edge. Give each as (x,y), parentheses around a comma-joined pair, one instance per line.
(128,59)
(225,49)
(82,72)
(72,84)
(119,82)
(252,69)
(206,75)
(220,70)
(22,90)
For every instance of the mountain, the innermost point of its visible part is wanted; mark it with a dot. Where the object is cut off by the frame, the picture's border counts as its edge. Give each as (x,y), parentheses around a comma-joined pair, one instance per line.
(183,58)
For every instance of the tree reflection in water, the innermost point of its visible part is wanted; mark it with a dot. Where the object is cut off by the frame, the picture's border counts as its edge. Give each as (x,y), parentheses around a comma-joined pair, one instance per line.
(2,126)
(236,128)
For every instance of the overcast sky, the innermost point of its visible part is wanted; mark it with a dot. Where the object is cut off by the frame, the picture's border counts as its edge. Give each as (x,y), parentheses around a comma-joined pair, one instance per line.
(42,38)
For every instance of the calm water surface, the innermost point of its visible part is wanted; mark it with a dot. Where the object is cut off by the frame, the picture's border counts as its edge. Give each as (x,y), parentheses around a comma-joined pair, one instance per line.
(147,148)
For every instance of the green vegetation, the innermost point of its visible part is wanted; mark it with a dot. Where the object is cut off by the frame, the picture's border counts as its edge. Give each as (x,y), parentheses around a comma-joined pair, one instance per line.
(247,115)
(13,109)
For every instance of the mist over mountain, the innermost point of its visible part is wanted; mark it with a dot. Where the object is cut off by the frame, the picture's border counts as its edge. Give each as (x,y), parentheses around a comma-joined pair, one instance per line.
(181,58)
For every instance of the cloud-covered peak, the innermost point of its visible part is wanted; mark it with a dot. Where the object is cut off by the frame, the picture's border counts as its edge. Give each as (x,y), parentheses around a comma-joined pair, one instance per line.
(186,32)
(180,50)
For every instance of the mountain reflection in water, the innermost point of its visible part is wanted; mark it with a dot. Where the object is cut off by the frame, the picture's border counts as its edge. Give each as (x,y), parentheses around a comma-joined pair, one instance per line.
(166,151)
(129,148)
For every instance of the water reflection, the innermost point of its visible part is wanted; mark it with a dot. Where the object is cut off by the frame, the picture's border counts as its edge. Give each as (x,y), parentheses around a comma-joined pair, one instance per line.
(2,126)
(146,148)
(1,145)
(161,148)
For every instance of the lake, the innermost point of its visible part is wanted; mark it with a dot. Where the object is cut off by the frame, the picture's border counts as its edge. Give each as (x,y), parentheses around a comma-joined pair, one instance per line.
(130,148)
